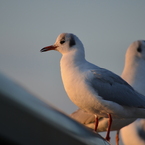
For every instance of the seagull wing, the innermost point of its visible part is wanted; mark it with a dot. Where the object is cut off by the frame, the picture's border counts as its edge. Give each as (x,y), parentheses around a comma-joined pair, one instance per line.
(113,88)
(83,116)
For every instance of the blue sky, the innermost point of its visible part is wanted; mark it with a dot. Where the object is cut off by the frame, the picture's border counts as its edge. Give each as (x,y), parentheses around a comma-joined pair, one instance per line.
(106,29)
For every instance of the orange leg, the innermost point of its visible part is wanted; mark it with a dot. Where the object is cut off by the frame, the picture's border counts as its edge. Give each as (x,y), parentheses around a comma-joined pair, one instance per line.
(96,123)
(117,137)
(109,127)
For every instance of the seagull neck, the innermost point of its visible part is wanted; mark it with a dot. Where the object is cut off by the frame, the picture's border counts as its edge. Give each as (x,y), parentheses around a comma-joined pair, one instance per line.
(74,57)
(134,74)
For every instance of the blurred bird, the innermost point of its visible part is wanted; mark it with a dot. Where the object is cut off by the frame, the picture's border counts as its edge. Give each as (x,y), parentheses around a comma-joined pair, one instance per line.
(134,133)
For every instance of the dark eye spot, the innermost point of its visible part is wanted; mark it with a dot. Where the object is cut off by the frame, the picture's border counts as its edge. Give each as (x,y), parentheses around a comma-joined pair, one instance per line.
(72,41)
(62,41)
(139,49)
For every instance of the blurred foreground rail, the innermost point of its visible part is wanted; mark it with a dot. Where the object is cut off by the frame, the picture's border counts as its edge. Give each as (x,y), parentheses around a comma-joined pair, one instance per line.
(26,120)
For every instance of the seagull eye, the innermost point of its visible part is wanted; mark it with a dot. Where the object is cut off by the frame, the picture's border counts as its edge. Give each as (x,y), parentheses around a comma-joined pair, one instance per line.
(62,41)
(139,49)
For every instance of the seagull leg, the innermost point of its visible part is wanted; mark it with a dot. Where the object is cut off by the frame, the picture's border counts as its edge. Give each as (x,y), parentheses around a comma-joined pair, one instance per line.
(96,123)
(109,127)
(117,137)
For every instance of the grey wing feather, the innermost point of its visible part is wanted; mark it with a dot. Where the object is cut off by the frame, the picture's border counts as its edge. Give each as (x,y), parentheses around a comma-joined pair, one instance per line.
(111,87)
(83,117)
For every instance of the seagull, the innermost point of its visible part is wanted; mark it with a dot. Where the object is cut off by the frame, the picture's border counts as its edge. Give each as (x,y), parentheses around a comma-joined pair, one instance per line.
(93,89)
(134,73)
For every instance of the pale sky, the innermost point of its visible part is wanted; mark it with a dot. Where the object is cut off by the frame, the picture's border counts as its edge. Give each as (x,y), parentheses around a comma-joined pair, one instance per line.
(106,29)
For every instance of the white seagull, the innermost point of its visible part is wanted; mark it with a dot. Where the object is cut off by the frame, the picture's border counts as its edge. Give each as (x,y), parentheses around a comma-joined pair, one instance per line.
(134,74)
(94,89)
(134,133)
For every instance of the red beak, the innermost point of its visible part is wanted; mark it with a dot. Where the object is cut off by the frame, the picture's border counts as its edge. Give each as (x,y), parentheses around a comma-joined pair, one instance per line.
(47,48)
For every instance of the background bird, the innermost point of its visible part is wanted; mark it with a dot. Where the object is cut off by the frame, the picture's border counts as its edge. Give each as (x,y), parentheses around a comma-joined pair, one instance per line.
(134,133)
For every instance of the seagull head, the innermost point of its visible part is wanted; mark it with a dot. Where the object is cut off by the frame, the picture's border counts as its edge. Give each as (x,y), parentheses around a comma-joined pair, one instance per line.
(65,43)
(136,51)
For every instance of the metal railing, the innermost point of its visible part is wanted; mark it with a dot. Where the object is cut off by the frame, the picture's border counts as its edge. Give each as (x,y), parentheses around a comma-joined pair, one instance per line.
(26,120)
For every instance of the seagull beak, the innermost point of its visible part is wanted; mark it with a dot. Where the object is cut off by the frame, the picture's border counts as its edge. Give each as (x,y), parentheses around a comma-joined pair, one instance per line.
(47,48)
